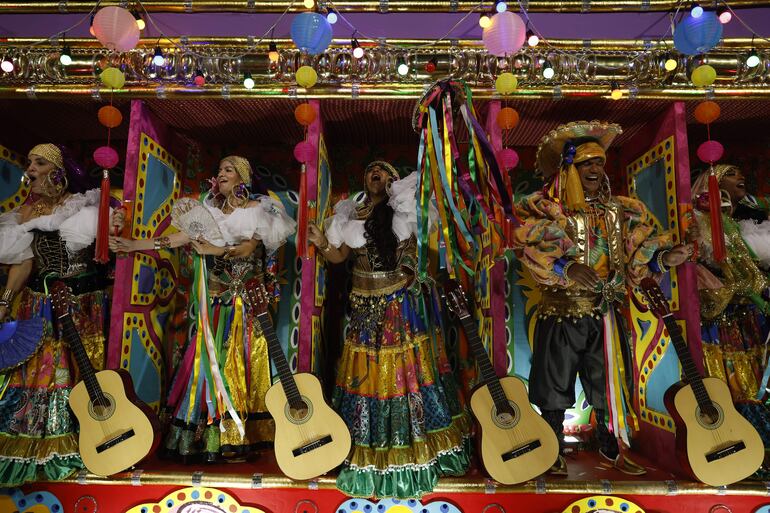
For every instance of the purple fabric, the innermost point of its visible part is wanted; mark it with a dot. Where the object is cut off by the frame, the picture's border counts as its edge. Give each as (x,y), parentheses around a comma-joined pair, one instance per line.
(77,178)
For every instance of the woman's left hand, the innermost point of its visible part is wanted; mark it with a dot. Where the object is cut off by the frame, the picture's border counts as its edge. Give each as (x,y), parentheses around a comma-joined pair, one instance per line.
(242,250)
(678,255)
(203,247)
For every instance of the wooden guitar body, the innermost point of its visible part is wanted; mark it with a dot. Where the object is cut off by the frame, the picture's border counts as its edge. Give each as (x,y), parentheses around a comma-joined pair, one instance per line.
(313,442)
(514,448)
(718,453)
(119,434)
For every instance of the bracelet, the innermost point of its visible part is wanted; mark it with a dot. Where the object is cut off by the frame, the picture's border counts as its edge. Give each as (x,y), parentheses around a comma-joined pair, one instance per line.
(7,295)
(659,260)
(161,243)
(327,247)
(564,272)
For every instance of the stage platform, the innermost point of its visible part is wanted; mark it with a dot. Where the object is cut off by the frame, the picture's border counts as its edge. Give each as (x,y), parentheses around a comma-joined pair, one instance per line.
(249,487)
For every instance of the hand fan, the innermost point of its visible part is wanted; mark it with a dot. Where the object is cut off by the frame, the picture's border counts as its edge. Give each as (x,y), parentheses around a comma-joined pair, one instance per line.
(19,340)
(192,218)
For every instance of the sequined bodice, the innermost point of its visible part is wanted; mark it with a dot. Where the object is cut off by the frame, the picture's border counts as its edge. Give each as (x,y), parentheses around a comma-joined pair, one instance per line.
(230,275)
(53,257)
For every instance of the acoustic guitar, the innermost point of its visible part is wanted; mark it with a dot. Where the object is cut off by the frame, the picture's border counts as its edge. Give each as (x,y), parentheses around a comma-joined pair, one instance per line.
(117,430)
(517,444)
(714,442)
(311,439)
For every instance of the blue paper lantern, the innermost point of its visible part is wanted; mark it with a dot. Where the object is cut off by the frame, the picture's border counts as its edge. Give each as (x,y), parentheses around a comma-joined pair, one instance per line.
(694,36)
(311,32)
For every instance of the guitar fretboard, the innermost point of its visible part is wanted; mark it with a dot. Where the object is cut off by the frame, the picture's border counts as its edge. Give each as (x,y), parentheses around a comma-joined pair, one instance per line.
(488,375)
(691,375)
(87,372)
(279,360)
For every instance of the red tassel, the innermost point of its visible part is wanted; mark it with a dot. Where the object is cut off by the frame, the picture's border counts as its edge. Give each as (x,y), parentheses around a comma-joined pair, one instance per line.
(715,212)
(302,215)
(103,227)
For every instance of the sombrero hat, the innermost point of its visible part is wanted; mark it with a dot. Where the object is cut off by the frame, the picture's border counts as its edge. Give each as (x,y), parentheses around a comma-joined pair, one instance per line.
(549,152)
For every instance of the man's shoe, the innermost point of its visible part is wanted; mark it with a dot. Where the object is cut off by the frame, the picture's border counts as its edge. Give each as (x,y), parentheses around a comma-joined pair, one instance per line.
(625,464)
(559,468)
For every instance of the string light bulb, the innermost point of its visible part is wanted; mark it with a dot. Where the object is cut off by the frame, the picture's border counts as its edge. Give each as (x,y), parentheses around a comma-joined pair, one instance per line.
(697,10)
(358,52)
(671,63)
(309,4)
(402,69)
(248,82)
(615,93)
(501,7)
(199,79)
(484,20)
(272,52)
(331,17)
(139,21)
(158,59)
(91,27)
(548,71)
(532,38)
(7,65)
(66,56)
(724,15)
(753,59)
(431,65)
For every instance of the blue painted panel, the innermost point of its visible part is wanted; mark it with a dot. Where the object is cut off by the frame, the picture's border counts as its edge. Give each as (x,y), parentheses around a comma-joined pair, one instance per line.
(142,369)
(160,185)
(10,179)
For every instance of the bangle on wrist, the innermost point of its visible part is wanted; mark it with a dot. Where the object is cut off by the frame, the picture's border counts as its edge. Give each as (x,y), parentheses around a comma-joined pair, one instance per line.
(7,296)
(161,243)
(326,247)
(661,265)
(565,271)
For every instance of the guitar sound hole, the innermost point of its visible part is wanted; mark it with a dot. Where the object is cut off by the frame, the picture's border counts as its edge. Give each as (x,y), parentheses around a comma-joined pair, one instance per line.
(710,417)
(506,419)
(102,408)
(299,411)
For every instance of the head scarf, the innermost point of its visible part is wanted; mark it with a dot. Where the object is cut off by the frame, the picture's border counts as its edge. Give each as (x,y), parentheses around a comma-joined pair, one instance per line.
(78,180)
(242,166)
(571,192)
(701,184)
(385,167)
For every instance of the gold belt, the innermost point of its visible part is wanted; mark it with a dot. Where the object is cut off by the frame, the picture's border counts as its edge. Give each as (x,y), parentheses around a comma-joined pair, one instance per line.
(572,302)
(378,283)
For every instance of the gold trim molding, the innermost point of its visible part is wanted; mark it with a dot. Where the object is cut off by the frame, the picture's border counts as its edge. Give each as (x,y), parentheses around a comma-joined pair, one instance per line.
(276,6)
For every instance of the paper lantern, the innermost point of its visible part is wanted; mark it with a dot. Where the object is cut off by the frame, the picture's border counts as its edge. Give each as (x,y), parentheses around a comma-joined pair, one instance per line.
(507,118)
(113,77)
(506,83)
(304,152)
(707,112)
(306,77)
(505,35)
(508,158)
(694,36)
(116,29)
(304,114)
(109,116)
(105,157)
(311,32)
(710,151)
(704,75)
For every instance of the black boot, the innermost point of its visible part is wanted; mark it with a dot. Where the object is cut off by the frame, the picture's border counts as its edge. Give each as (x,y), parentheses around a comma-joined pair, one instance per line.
(555,419)
(608,444)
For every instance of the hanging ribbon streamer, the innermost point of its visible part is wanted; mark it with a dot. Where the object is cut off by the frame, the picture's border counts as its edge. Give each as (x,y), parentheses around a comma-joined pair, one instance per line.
(618,396)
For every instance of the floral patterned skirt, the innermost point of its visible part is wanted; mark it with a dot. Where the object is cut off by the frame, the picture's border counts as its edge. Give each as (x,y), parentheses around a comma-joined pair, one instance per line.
(397,394)
(38,437)
(197,430)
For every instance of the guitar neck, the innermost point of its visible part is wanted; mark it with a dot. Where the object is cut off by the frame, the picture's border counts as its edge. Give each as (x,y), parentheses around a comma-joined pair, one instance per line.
(279,360)
(691,375)
(488,375)
(87,371)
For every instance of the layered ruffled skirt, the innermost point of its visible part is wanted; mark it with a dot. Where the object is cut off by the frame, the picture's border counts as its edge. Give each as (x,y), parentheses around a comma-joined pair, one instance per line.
(38,436)
(198,429)
(397,394)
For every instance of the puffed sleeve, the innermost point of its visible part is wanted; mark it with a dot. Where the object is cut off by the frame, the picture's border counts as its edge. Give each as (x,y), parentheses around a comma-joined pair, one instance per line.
(542,240)
(273,224)
(641,240)
(15,241)
(344,226)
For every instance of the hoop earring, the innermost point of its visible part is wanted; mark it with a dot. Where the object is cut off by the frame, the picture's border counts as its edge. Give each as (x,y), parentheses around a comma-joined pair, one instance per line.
(238,197)
(56,181)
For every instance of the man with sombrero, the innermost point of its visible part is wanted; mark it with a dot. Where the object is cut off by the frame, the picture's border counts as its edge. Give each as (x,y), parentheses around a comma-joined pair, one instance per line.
(583,245)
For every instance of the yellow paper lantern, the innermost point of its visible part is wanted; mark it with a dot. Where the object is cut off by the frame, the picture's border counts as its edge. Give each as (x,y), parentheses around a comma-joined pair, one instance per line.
(113,77)
(704,75)
(306,77)
(506,83)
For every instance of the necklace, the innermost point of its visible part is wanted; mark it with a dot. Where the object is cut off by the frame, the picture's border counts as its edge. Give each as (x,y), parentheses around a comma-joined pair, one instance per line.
(44,206)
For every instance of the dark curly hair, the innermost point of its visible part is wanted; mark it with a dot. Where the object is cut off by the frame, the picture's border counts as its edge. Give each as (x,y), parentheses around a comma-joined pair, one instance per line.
(379,231)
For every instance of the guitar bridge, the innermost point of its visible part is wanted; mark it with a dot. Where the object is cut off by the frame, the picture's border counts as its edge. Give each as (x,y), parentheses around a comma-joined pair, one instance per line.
(521,450)
(312,446)
(112,442)
(726,451)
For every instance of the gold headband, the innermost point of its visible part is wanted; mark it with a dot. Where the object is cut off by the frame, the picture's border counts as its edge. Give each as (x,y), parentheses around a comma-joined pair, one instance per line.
(242,166)
(589,151)
(50,152)
(721,170)
(388,168)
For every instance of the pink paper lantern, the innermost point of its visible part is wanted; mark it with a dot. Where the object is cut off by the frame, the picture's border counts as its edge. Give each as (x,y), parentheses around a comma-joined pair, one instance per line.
(116,29)
(304,152)
(508,158)
(505,35)
(710,151)
(105,157)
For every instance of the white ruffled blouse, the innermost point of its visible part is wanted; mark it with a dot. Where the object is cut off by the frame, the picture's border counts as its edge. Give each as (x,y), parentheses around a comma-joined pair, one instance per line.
(75,220)
(267,221)
(344,225)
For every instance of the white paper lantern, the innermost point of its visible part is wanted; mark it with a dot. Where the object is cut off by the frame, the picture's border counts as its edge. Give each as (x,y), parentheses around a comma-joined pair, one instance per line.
(116,29)
(505,35)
